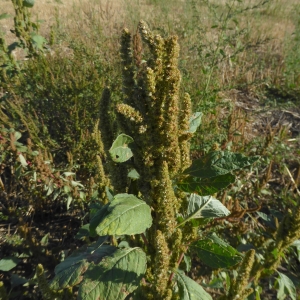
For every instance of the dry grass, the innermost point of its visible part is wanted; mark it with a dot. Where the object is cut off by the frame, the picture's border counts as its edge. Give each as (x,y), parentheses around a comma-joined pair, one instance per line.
(274,19)
(100,22)
(83,20)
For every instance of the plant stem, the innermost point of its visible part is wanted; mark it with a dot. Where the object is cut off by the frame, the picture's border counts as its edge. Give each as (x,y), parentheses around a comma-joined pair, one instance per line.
(178,263)
(144,239)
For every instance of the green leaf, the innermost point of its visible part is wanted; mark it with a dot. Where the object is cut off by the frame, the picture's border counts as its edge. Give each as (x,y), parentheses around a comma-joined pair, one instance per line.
(49,188)
(206,186)
(286,287)
(69,201)
(188,262)
(18,171)
(83,232)
(123,244)
(76,183)
(28,3)
(133,174)
(82,195)
(216,253)
(205,207)
(195,121)
(115,277)
(8,263)
(218,163)
(296,244)
(38,41)
(16,280)
(198,222)
(17,135)
(45,239)
(97,218)
(23,161)
(68,174)
(70,272)
(5,16)
(67,189)
(222,52)
(126,214)
(119,150)
(258,291)
(109,194)
(269,220)
(235,21)
(216,283)
(35,153)
(20,147)
(189,289)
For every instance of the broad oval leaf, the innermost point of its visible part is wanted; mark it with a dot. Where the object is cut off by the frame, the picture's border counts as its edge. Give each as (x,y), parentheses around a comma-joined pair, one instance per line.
(38,41)
(286,287)
(189,289)
(97,218)
(206,186)
(216,253)
(218,163)
(195,121)
(16,280)
(71,275)
(8,263)
(119,150)
(70,271)
(205,207)
(126,214)
(115,277)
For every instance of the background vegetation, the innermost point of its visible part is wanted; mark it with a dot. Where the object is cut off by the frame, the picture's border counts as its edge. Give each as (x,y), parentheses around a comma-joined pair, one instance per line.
(240,63)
